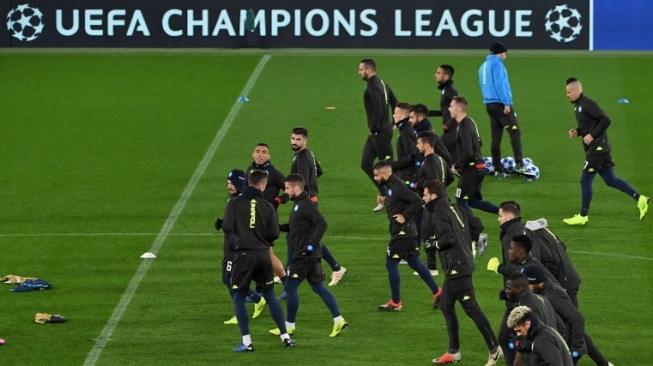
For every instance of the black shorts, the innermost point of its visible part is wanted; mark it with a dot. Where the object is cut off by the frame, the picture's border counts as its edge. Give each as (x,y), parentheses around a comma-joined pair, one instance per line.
(309,269)
(469,184)
(228,262)
(402,248)
(597,163)
(252,265)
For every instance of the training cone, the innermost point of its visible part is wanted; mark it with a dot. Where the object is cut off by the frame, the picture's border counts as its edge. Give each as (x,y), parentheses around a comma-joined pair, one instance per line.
(148,255)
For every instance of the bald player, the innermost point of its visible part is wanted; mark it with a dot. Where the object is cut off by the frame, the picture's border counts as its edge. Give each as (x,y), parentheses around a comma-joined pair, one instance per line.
(592,128)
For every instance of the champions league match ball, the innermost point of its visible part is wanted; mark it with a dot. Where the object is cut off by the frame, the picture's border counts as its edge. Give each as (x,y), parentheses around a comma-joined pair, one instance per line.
(532,173)
(508,164)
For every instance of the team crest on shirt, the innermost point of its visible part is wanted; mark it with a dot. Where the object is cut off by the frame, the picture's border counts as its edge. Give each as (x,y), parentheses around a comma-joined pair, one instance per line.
(296,208)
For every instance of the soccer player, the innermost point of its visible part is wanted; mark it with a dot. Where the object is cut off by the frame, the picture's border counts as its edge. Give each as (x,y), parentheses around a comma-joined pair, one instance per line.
(578,340)
(306,227)
(519,256)
(379,102)
(516,293)
(433,165)
(236,182)
(443,76)
(253,224)
(449,231)
(497,97)
(592,128)
(261,156)
(401,204)
(469,164)
(275,186)
(433,168)
(539,343)
(304,164)
(421,124)
(404,166)
(560,265)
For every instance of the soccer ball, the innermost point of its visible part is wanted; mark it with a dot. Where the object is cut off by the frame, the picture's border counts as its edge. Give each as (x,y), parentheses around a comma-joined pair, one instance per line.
(489,167)
(25,22)
(508,164)
(532,173)
(527,162)
(563,23)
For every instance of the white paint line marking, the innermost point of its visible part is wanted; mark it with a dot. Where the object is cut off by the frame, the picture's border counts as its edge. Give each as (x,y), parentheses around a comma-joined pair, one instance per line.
(119,310)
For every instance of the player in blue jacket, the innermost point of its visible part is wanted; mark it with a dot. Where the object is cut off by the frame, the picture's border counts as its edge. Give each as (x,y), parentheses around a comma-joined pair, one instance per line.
(497,97)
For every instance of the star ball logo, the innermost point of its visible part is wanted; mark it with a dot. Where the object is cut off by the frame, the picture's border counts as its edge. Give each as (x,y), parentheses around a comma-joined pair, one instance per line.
(25,23)
(563,23)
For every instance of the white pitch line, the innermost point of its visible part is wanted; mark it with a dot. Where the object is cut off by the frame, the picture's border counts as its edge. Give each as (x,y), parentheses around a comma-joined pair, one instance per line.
(119,310)
(335,237)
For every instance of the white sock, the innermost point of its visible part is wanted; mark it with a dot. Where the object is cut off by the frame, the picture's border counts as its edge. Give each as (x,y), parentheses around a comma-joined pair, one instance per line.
(247,340)
(290,325)
(339,318)
(284,336)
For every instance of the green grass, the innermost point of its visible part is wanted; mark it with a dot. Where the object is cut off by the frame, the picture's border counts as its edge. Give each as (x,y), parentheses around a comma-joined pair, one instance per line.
(106,144)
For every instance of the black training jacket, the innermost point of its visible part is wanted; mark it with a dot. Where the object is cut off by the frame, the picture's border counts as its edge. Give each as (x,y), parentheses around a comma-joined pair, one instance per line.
(548,348)
(304,164)
(273,192)
(468,144)
(407,151)
(593,120)
(251,221)
(451,231)
(379,101)
(573,319)
(306,226)
(561,265)
(433,167)
(399,199)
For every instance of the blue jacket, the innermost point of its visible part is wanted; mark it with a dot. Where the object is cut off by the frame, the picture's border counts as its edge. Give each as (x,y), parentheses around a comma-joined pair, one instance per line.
(493,79)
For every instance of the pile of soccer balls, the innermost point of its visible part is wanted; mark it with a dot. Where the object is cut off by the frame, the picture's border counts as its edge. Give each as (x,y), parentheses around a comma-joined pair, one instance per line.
(531,171)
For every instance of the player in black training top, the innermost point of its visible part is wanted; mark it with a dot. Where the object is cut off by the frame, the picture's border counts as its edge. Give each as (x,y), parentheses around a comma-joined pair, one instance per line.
(306,227)
(539,344)
(379,101)
(434,167)
(469,163)
(577,338)
(421,124)
(305,164)
(401,205)
(273,192)
(453,232)
(404,166)
(592,128)
(443,76)
(252,225)
(236,183)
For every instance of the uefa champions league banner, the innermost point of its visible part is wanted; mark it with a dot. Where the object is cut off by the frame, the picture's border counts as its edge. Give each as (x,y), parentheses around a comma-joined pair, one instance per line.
(541,24)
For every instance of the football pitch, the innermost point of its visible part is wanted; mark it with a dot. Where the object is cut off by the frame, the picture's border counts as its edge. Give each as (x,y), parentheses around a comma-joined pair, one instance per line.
(105,154)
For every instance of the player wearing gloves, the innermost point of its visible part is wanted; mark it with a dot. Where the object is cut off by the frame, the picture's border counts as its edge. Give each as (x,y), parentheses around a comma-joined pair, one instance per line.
(236,182)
